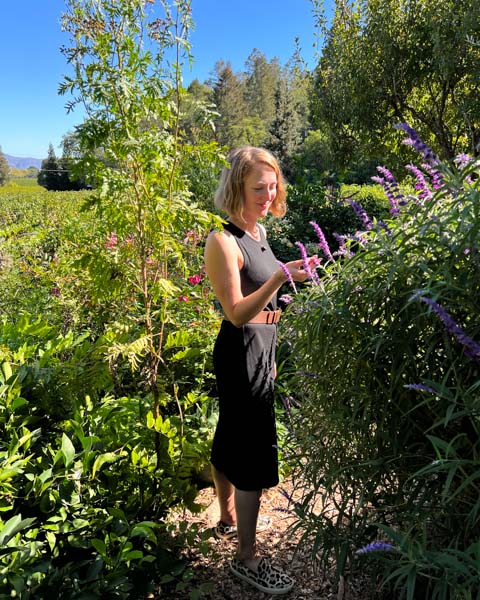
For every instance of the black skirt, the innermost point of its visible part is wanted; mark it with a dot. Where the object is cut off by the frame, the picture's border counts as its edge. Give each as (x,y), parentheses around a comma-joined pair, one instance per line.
(245,443)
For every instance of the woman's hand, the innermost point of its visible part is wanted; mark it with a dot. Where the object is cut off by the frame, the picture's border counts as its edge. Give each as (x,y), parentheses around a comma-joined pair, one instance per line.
(297,268)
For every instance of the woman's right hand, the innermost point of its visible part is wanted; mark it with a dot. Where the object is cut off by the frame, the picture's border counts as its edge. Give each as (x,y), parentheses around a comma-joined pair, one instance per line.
(297,268)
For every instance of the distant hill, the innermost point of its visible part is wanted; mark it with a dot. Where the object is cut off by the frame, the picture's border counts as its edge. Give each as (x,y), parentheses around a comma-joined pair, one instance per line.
(17,162)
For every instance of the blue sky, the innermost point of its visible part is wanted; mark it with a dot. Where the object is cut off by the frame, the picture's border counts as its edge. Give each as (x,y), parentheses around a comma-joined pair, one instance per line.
(32,114)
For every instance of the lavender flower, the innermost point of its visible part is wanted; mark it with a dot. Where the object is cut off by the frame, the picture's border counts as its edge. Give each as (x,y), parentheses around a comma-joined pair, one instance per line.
(472,348)
(420,387)
(421,186)
(342,249)
(462,160)
(388,191)
(322,242)
(288,275)
(286,299)
(436,176)
(417,143)
(375,547)
(361,213)
(306,265)
(393,185)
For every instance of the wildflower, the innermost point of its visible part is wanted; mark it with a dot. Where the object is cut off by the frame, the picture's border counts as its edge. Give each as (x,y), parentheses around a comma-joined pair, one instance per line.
(435,176)
(55,291)
(361,213)
(183,298)
(306,263)
(388,191)
(462,160)
(417,143)
(194,279)
(288,275)
(421,186)
(111,241)
(393,185)
(375,547)
(322,242)
(420,387)
(342,249)
(471,347)
(286,299)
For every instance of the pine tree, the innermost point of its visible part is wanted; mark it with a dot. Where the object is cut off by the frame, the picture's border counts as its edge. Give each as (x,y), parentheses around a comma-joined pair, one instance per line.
(48,176)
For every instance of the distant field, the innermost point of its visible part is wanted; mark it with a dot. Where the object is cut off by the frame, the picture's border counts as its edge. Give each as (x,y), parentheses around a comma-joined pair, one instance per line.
(22,182)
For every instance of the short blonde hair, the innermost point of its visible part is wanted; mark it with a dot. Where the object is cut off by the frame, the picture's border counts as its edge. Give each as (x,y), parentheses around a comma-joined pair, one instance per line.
(229,194)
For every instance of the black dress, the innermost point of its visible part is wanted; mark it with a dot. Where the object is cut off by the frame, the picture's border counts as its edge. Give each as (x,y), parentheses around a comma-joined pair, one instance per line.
(245,443)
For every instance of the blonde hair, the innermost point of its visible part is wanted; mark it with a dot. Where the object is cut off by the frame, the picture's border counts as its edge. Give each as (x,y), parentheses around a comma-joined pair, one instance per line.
(229,194)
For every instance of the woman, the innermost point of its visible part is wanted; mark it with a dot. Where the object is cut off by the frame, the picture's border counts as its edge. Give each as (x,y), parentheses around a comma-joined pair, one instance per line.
(245,277)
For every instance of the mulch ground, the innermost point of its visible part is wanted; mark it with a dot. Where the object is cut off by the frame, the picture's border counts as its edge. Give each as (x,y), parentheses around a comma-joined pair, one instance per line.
(278,542)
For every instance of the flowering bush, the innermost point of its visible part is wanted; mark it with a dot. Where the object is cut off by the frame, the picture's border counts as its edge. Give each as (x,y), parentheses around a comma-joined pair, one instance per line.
(389,348)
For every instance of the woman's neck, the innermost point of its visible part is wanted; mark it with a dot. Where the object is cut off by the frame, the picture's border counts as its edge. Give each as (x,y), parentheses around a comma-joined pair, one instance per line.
(248,225)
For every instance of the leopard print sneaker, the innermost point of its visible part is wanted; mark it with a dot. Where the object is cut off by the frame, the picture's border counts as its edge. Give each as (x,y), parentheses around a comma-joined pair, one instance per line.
(222,531)
(267,578)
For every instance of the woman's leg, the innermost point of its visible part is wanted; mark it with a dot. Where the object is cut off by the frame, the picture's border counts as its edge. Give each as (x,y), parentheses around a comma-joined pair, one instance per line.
(225,495)
(247,505)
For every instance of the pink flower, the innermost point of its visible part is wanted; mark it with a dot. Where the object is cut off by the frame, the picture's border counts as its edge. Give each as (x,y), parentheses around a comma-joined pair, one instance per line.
(194,279)
(183,298)
(55,291)
(112,241)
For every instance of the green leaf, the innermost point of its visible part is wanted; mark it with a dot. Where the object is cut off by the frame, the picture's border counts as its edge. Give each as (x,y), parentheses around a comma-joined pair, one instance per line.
(13,526)
(107,458)
(68,450)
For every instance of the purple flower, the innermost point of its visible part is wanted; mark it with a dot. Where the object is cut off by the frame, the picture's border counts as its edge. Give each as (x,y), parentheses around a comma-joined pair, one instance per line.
(361,213)
(342,248)
(288,275)
(435,176)
(322,242)
(421,186)
(389,192)
(306,265)
(393,185)
(462,160)
(417,143)
(286,299)
(375,547)
(472,348)
(420,387)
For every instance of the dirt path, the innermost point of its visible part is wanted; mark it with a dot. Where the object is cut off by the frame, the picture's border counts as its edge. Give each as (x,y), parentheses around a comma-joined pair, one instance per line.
(278,543)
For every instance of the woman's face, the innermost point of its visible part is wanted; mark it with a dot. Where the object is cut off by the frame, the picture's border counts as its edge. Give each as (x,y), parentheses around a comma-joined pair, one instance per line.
(259,191)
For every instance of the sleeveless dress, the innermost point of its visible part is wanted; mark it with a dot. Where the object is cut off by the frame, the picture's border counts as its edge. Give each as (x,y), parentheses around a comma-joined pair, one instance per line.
(245,443)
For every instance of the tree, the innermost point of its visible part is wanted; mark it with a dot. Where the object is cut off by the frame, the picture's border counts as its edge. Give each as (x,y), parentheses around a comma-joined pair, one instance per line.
(390,61)
(4,168)
(49,174)
(228,96)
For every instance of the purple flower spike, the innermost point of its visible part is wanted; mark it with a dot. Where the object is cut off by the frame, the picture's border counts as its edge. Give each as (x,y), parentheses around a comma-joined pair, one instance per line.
(393,185)
(288,275)
(462,160)
(435,176)
(342,249)
(472,348)
(306,266)
(420,387)
(421,185)
(375,547)
(286,299)
(361,213)
(418,144)
(388,191)
(322,242)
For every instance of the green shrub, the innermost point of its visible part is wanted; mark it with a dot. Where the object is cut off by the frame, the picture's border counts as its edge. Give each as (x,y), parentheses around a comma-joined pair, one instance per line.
(389,425)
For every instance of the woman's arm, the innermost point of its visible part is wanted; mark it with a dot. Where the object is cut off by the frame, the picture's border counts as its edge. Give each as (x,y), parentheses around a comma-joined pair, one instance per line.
(223,261)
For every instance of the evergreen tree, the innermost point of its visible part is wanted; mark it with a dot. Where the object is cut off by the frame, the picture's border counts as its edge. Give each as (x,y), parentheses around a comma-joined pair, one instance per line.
(48,176)
(4,168)
(228,96)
